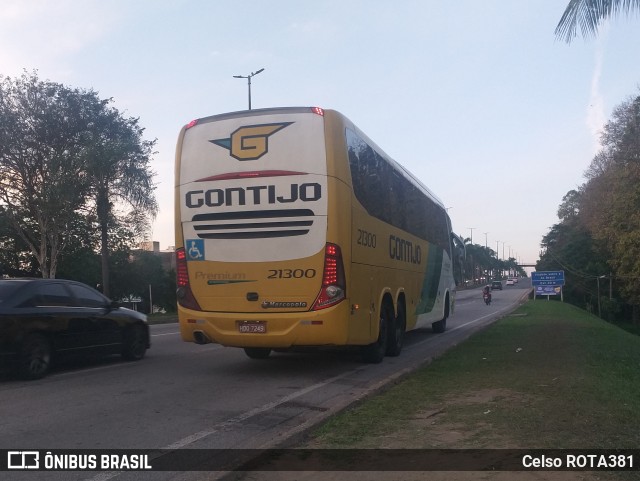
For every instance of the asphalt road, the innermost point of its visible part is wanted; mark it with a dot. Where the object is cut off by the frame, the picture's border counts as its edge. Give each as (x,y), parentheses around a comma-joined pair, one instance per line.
(183,395)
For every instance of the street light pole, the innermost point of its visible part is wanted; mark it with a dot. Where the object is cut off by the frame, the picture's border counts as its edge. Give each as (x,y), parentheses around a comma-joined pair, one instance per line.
(599,311)
(497,257)
(471,229)
(248,77)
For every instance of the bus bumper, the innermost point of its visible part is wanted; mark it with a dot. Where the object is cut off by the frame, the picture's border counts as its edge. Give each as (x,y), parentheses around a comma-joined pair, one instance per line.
(327,327)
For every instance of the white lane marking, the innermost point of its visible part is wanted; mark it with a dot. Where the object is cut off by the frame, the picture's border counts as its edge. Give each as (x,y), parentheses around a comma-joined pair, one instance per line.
(166,334)
(246,415)
(236,420)
(429,339)
(252,412)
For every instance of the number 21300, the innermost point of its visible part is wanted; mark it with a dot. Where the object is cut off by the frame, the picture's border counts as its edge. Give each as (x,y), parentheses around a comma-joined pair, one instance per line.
(291,273)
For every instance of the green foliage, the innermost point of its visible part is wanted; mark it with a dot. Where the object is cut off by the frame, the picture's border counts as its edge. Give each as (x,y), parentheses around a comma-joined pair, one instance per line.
(15,258)
(597,241)
(42,177)
(589,14)
(482,261)
(121,182)
(73,171)
(133,274)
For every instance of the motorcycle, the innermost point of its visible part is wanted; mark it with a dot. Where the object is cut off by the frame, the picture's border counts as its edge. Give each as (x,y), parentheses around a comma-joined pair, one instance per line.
(487,298)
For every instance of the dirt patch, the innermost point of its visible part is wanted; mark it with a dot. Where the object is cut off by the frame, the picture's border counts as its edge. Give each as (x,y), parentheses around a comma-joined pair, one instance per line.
(437,428)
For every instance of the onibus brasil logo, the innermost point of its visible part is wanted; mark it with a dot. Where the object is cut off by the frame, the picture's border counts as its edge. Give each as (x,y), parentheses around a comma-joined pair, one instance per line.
(251,141)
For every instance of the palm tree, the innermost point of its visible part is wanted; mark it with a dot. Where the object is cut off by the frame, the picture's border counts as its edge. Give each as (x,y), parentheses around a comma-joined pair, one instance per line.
(588,14)
(118,176)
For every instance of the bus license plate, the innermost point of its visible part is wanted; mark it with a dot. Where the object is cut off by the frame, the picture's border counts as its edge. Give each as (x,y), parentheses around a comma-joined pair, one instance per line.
(252,327)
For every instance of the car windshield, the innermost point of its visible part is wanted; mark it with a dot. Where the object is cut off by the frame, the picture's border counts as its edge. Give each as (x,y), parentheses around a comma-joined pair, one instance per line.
(8,288)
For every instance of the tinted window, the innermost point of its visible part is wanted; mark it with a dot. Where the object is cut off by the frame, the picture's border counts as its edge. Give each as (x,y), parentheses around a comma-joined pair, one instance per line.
(87,297)
(8,289)
(386,192)
(51,294)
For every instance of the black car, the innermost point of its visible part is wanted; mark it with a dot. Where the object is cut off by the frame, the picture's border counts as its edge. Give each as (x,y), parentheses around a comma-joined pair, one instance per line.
(496,285)
(44,319)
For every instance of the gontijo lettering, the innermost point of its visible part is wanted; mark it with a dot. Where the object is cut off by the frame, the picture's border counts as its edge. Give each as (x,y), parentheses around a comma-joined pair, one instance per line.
(404,250)
(255,195)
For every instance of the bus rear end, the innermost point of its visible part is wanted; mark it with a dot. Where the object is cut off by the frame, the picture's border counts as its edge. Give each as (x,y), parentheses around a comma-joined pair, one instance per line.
(254,265)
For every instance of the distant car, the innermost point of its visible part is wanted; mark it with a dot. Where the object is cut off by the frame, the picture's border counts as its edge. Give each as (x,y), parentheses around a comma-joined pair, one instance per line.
(510,282)
(496,285)
(43,319)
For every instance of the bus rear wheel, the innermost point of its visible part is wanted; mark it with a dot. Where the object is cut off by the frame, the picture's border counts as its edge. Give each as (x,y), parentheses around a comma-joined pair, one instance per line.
(257,352)
(396,332)
(441,325)
(374,353)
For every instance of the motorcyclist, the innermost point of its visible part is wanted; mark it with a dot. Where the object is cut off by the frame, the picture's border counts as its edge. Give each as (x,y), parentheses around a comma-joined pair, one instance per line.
(486,293)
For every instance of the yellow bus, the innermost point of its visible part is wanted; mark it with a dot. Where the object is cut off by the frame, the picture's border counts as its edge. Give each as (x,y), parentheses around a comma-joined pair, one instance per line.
(295,229)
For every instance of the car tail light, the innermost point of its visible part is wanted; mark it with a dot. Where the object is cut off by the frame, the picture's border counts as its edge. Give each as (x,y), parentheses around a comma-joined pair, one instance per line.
(317,111)
(333,288)
(183,292)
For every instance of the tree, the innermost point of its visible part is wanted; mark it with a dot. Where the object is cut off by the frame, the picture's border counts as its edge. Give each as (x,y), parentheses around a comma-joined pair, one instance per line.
(16,260)
(612,198)
(66,153)
(599,230)
(570,207)
(43,127)
(588,14)
(118,173)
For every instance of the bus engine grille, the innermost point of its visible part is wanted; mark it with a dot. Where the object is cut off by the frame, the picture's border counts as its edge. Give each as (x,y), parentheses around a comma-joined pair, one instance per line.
(253,225)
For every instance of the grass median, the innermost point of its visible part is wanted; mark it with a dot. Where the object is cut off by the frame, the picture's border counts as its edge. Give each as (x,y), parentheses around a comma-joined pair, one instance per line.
(549,376)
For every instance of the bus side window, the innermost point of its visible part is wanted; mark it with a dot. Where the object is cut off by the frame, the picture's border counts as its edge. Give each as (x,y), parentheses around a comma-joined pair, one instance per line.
(459,256)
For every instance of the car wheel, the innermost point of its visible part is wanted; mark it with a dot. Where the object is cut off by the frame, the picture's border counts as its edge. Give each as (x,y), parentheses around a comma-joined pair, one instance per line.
(135,343)
(35,357)
(374,353)
(396,332)
(257,352)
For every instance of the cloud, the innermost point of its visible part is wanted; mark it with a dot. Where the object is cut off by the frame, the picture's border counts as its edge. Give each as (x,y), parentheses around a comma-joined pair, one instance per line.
(56,31)
(596,117)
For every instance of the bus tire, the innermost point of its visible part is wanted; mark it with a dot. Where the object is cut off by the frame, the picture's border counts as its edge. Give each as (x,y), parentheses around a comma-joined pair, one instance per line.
(396,332)
(440,326)
(374,353)
(257,352)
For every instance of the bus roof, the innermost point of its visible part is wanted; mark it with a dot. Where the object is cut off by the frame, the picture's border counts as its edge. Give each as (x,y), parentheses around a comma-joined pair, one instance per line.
(320,111)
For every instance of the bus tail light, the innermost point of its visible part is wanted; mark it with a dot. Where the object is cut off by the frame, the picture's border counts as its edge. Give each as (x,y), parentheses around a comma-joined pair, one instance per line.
(183,292)
(334,287)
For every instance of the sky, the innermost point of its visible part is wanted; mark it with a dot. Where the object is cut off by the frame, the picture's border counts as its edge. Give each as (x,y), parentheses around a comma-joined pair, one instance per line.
(478,99)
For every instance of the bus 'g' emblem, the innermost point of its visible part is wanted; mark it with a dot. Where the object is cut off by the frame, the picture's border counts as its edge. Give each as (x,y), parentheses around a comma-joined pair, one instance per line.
(251,141)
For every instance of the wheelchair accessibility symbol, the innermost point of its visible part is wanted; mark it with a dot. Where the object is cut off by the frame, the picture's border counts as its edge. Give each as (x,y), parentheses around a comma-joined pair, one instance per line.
(195,249)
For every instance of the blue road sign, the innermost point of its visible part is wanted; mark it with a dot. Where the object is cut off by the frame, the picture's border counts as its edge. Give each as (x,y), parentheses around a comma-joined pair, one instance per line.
(548,290)
(547,278)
